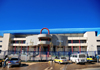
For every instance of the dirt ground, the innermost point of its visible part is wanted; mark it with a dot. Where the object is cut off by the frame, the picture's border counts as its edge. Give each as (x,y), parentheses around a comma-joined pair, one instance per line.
(82,66)
(52,66)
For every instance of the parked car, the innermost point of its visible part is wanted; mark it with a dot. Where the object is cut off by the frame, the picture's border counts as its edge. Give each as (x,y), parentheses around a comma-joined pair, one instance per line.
(60,60)
(78,58)
(91,58)
(14,61)
(1,60)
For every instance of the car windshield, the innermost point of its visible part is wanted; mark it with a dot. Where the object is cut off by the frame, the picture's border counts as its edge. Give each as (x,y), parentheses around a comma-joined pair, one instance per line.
(63,57)
(81,56)
(14,59)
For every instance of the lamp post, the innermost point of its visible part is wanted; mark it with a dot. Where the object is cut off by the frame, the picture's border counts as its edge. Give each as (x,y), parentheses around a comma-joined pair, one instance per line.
(31,43)
(60,46)
(9,45)
(41,47)
(51,47)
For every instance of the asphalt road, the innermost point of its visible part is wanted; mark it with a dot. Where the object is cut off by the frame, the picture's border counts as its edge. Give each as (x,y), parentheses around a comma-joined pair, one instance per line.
(53,66)
(92,69)
(37,66)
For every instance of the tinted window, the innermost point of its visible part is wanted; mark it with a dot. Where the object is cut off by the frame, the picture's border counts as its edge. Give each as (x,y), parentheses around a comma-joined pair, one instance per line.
(75,56)
(0,41)
(63,57)
(81,56)
(14,59)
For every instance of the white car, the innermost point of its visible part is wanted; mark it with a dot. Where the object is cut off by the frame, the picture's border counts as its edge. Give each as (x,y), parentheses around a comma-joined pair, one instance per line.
(79,58)
(14,61)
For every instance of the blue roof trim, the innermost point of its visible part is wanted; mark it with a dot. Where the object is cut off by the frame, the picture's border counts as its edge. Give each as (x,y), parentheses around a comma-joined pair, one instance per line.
(52,31)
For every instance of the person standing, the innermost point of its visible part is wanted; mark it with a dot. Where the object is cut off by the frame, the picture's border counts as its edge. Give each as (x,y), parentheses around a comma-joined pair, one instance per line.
(97,58)
(5,60)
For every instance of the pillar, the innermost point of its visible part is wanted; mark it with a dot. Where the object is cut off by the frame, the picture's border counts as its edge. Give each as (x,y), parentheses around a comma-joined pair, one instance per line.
(72,46)
(21,46)
(79,47)
(27,48)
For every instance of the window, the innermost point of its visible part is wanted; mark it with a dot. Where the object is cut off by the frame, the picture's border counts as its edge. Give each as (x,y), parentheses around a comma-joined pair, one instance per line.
(63,57)
(82,41)
(0,45)
(75,56)
(14,59)
(69,41)
(75,41)
(18,41)
(98,40)
(81,56)
(0,51)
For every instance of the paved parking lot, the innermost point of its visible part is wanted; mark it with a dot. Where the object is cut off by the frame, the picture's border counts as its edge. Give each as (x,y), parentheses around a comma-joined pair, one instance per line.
(52,66)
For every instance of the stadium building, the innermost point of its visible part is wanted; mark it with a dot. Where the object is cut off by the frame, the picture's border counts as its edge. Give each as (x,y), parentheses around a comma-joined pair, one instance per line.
(62,39)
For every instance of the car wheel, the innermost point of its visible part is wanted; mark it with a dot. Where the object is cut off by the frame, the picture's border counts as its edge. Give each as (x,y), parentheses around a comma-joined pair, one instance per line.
(76,62)
(9,66)
(55,61)
(1,64)
(20,64)
(71,61)
(59,62)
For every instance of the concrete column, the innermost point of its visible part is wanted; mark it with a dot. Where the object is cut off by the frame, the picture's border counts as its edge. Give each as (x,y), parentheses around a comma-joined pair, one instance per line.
(5,44)
(91,40)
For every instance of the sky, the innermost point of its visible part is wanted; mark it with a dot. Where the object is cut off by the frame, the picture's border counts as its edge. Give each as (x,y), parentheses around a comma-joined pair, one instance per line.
(36,14)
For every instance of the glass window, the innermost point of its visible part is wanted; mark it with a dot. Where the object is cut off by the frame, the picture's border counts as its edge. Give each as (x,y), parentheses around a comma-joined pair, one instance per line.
(0,41)
(0,45)
(75,41)
(98,40)
(63,57)
(75,56)
(81,56)
(82,41)
(0,51)
(14,59)
(69,41)
(98,46)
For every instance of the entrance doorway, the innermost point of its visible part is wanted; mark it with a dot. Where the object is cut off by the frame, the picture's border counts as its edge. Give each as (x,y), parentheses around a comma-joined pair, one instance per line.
(45,49)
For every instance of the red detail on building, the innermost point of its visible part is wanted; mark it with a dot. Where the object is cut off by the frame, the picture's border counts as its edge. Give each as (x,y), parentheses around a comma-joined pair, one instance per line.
(43,29)
(79,47)
(72,46)
(15,48)
(27,48)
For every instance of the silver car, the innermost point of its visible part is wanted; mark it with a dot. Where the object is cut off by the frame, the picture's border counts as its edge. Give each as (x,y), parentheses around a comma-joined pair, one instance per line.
(60,60)
(14,61)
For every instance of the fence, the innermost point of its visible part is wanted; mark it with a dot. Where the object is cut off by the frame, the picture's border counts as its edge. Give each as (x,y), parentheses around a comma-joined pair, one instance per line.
(36,55)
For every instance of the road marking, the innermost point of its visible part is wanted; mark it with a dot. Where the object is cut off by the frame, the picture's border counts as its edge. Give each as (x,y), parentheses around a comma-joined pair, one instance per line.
(47,68)
(51,68)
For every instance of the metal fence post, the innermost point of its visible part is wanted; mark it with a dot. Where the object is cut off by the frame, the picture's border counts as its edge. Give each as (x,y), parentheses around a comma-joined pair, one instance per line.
(46,55)
(58,54)
(69,55)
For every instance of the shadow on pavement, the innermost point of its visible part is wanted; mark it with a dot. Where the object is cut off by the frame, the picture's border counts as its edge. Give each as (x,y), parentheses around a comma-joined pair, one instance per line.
(22,65)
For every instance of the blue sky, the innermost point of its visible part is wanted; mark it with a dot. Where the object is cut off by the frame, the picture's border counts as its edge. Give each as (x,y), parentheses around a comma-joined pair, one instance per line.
(36,14)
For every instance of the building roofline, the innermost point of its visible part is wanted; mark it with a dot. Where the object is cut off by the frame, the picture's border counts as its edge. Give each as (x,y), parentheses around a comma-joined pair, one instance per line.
(52,31)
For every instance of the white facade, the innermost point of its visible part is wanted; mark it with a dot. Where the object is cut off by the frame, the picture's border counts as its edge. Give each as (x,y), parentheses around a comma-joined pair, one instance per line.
(60,42)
